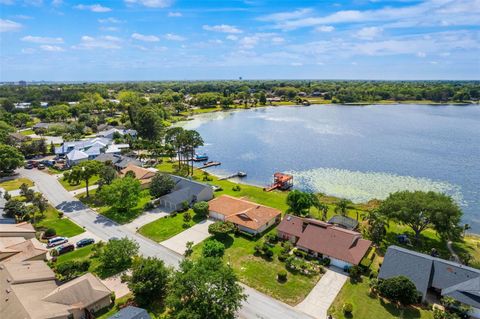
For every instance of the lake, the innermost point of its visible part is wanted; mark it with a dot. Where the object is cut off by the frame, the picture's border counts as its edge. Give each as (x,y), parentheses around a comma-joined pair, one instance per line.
(356,152)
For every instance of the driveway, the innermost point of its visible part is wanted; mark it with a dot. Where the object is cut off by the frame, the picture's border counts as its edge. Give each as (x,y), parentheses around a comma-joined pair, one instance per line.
(48,139)
(318,301)
(116,285)
(196,233)
(147,217)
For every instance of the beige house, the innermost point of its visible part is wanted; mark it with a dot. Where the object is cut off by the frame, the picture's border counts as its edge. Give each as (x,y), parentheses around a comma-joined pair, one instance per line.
(24,230)
(143,175)
(18,249)
(29,291)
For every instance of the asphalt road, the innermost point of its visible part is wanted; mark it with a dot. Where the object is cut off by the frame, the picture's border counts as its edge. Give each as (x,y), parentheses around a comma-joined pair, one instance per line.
(257,305)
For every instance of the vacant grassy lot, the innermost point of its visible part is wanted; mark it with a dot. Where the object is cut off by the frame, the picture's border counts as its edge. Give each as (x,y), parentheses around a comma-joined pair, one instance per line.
(64,226)
(366,306)
(72,187)
(260,273)
(15,184)
(167,227)
(118,216)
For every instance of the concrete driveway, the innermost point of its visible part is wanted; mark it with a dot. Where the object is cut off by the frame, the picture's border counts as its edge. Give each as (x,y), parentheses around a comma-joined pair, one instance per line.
(116,285)
(196,233)
(147,217)
(318,301)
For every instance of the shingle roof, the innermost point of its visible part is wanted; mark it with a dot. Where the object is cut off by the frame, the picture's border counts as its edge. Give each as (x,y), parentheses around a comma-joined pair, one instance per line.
(242,212)
(77,155)
(144,175)
(23,227)
(24,251)
(344,221)
(467,292)
(291,225)
(131,312)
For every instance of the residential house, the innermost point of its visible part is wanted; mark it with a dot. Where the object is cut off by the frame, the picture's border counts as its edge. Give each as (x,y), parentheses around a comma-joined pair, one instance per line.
(19,249)
(344,222)
(28,290)
(131,312)
(119,161)
(249,217)
(343,247)
(111,132)
(76,156)
(144,175)
(434,276)
(24,230)
(185,191)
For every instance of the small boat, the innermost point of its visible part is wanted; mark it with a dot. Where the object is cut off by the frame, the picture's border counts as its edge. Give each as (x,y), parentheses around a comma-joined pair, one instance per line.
(241,174)
(200,157)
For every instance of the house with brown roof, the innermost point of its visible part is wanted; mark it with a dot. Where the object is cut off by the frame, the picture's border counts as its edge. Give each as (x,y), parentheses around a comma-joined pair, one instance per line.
(248,216)
(343,247)
(23,229)
(144,175)
(17,249)
(28,290)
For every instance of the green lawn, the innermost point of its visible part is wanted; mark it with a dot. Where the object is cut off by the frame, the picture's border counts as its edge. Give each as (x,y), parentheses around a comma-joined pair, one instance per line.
(64,226)
(366,306)
(167,227)
(119,217)
(471,246)
(15,184)
(261,274)
(72,187)
(27,132)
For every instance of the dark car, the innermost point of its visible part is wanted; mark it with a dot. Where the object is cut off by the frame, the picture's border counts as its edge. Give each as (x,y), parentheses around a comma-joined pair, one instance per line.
(65,248)
(85,242)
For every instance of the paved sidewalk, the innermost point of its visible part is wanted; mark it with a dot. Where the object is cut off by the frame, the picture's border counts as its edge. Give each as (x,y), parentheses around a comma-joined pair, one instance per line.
(196,233)
(318,301)
(116,285)
(146,217)
(82,190)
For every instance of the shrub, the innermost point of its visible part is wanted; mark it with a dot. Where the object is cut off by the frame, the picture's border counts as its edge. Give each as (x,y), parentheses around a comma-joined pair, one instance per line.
(187,217)
(161,184)
(347,308)
(213,248)
(185,225)
(282,257)
(221,228)
(185,206)
(60,214)
(50,232)
(257,249)
(112,296)
(201,208)
(398,289)
(271,238)
(355,272)
(300,253)
(54,253)
(236,188)
(148,206)
(326,262)
(282,276)
(71,269)
(267,251)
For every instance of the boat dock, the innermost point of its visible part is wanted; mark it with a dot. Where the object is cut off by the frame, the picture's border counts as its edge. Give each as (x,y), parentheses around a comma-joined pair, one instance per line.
(237,174)
(210,164)
(280,181)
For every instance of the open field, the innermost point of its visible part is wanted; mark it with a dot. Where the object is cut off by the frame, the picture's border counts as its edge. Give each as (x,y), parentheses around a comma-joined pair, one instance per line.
(64,226)
(14,184)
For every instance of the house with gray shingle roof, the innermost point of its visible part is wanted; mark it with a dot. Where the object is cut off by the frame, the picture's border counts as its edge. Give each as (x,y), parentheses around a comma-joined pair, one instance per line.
(131,312)
(431,274)
(186,190)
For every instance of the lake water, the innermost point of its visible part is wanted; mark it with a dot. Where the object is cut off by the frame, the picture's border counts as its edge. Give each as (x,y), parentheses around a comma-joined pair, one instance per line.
(357,152)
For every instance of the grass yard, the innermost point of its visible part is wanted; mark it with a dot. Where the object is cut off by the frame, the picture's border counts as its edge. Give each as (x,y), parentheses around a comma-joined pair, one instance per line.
(261,274)
(64,226)
(119,217)
(15,184)
(27,132)
(366,306)
(167,227)
(72,187)
(470,246)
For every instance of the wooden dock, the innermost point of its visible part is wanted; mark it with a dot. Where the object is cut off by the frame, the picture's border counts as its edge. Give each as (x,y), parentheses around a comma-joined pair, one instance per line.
(210,164)
(237,174)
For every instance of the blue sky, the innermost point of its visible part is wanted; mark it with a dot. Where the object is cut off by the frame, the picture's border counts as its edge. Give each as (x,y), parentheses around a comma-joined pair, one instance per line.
(66,40)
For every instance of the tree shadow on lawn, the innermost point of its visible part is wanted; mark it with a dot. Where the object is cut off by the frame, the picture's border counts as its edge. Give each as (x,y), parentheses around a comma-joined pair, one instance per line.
(425,244)
(226,240)
(400,311)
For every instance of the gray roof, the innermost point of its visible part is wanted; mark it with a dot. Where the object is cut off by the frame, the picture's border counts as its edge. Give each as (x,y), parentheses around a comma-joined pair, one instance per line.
(458,281)
(131,312)
(344,221)
(104,157)
(184,190)
(127,160)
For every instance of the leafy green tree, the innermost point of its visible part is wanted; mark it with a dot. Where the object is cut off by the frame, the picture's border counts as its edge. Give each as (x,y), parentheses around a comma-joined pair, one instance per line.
(376,229)
(5,130)
(10,159)
(117,255)
(149,280)
(15,208)
(161,184)
(398,289)
(122,194)
(205,288)
(421,210)
(201,209)
(86,170)
(220,228)
(149,123)
(298,203)
(107,174)
(41,203)
(213,248)
(342,206)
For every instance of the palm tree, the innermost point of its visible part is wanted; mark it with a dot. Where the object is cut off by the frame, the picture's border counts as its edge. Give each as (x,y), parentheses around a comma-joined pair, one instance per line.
(319,205)
(342,206)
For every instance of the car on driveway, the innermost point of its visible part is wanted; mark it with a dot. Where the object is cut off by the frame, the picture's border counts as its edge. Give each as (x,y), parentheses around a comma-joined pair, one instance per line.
(28,166)
(56,241)
(41,166)
(65,248)
(85,242)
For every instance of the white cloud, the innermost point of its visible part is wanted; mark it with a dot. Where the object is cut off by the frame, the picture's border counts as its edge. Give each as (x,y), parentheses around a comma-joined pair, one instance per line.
(151,3)
(9,25)
(93,8)
(23,17)
(51,48)
(174,14)
(249,42)
(110,20)
(174,37)
(278,40)
(57,3)
(28,51)
(145,38)
(281,16)
(232,37)
(109,29)
(324,28)
(369,33)
(43,40)
(225,28)
(104,42)
(421,54)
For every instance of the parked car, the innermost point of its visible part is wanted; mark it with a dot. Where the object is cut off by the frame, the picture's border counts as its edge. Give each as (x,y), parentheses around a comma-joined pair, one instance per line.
(28,166)
(85,242)
(65,248)
(56,241)
(41,166)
